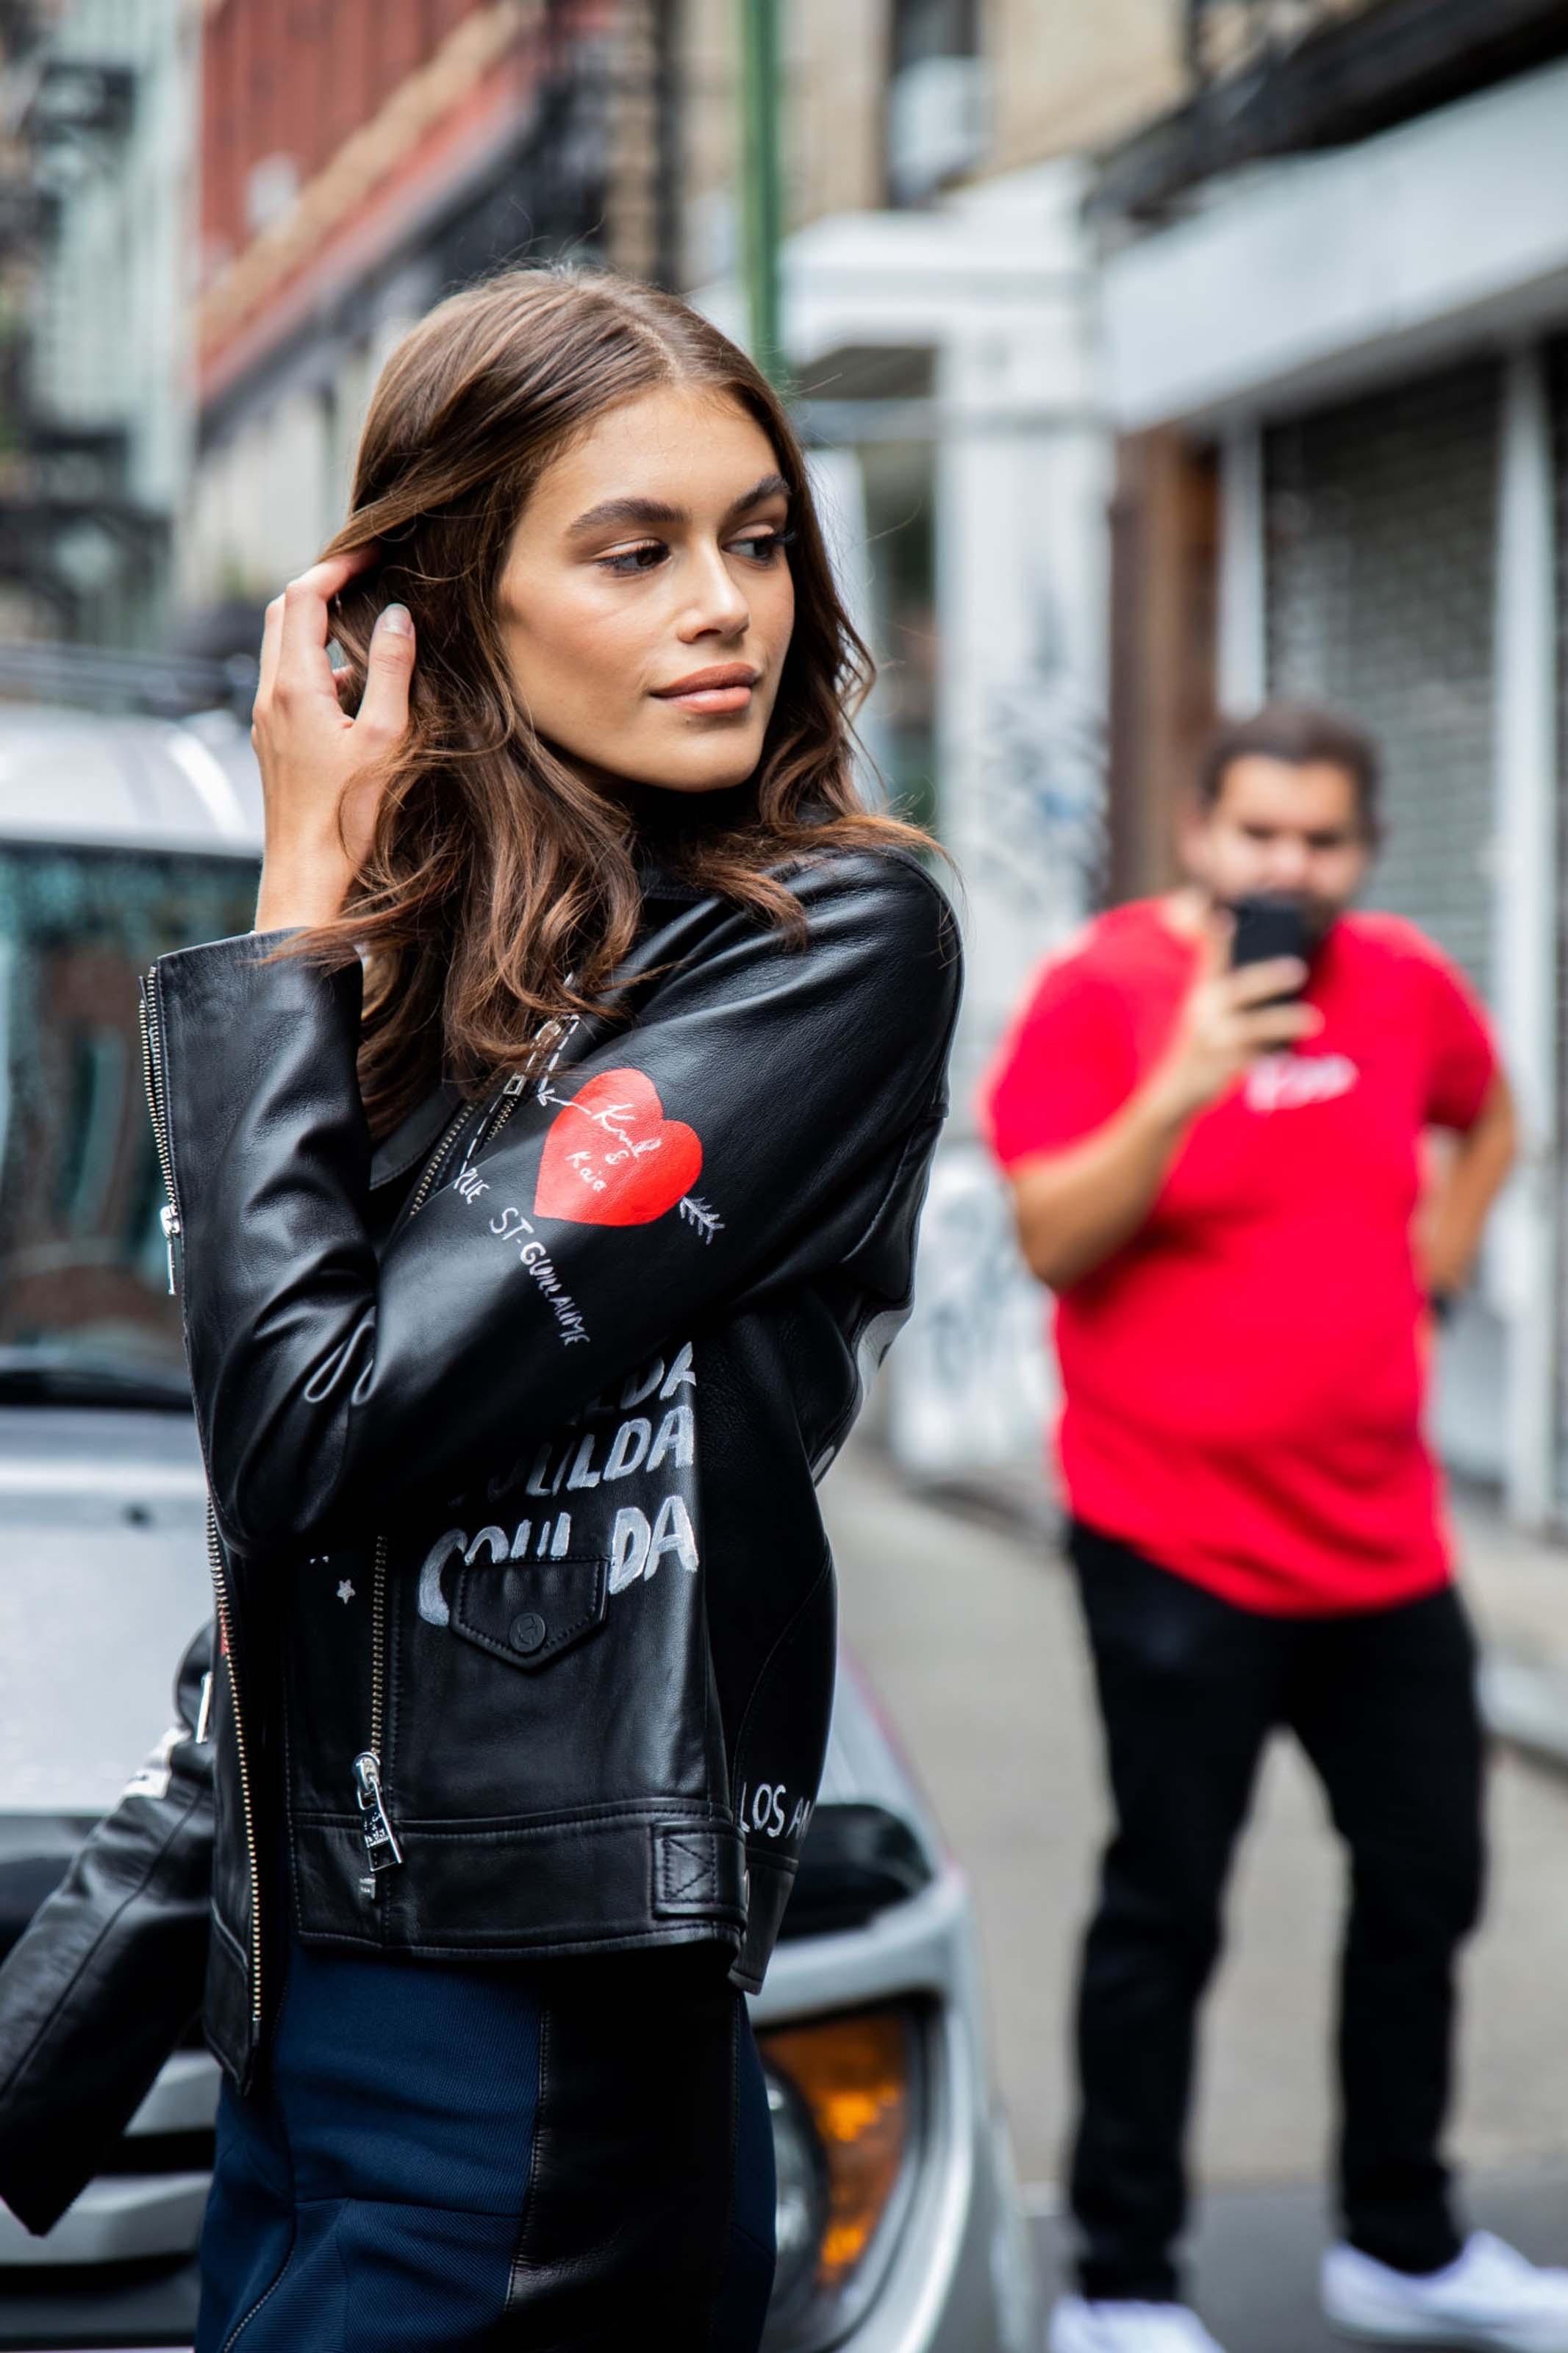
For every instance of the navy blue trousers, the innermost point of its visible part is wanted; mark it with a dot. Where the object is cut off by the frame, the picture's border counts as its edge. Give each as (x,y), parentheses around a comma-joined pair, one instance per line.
(566,2157)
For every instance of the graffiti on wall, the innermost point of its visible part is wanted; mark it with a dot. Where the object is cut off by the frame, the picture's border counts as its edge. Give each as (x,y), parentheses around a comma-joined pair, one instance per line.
(975,1381)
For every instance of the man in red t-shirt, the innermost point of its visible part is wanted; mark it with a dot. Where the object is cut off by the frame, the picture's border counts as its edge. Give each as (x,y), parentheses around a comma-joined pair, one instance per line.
(1223,1184)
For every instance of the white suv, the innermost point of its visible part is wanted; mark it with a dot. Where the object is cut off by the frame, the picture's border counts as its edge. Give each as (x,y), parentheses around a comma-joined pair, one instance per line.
(898,2224)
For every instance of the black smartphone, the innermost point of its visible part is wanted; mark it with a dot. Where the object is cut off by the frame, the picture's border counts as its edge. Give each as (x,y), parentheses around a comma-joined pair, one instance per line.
(1270,923)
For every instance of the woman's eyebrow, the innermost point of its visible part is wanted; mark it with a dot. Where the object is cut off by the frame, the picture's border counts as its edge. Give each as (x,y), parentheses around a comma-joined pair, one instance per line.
(659,511)
(770,486)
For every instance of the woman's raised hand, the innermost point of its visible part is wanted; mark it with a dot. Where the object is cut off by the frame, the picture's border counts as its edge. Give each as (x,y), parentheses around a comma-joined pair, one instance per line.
(320,771)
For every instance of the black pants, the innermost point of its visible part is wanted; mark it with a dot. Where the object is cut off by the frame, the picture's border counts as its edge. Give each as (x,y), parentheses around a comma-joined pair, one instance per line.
(1385,1705)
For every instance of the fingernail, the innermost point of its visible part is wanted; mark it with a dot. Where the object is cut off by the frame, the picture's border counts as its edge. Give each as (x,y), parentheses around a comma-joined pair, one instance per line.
(397,620)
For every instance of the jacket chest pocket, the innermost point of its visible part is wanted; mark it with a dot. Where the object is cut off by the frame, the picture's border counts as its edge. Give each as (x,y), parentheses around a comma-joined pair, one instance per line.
(530,1611)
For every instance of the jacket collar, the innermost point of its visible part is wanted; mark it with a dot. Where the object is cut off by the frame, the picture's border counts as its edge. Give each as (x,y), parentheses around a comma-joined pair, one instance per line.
(415,1134)
(659,885)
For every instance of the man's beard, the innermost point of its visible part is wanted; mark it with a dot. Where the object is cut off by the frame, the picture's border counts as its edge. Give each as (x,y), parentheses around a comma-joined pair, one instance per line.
(1319,916)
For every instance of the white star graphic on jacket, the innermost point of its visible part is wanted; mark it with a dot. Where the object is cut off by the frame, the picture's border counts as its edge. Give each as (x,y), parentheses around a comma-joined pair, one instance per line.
(345,1591)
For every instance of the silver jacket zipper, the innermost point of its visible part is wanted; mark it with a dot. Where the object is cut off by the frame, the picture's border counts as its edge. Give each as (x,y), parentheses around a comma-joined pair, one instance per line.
(169,1216)
(381,1850)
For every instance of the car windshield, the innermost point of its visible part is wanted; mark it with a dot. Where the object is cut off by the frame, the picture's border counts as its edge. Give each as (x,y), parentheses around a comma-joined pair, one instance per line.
(85,1311)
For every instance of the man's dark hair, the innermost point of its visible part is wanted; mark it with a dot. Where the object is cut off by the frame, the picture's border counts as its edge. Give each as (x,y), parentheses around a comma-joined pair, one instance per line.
(1297,733)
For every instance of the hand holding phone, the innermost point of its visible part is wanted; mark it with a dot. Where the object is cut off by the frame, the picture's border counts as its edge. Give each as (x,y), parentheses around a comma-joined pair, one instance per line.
(1237,1008)
(1270,923)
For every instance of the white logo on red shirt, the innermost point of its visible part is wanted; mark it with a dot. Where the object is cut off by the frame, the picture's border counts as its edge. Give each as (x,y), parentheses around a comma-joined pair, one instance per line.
(1290,1081)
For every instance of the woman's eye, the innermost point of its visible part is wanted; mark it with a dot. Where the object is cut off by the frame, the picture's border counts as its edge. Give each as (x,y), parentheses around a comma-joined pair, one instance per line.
(765,544)
(630,562)
(632,557)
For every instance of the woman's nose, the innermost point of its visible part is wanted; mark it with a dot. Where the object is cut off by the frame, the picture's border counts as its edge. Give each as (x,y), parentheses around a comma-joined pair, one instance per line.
(718,600)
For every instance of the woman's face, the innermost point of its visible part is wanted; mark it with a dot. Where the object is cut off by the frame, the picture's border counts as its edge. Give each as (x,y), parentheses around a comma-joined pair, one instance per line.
(648,554)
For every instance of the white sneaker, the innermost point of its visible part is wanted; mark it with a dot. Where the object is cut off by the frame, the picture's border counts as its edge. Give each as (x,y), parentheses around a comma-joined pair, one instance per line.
(1489,2296)
(1078,2327)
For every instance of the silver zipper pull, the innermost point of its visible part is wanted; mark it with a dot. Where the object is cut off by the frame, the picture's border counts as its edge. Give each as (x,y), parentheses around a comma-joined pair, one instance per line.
(381,1847)
(169,1218)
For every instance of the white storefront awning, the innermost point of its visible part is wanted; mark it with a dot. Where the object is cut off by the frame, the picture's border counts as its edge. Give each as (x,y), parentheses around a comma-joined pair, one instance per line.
(1312,278)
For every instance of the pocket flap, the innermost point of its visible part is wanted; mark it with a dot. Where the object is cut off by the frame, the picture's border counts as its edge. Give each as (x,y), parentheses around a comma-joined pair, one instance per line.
(528,1611)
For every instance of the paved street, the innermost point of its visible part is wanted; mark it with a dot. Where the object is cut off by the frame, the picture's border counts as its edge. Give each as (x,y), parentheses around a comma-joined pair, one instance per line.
(971,1638)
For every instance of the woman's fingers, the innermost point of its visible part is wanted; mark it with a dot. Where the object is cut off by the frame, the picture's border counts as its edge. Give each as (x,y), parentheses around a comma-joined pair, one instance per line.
(320,773)
(271,637)
(384,706)
(305,628)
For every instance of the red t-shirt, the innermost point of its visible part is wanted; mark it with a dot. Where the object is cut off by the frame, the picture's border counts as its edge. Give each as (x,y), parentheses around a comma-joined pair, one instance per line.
(1242,1382)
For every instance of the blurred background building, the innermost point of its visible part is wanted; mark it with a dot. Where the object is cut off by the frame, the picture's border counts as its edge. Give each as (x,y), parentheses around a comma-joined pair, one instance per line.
(357,162)
(97,185)
(1151,354)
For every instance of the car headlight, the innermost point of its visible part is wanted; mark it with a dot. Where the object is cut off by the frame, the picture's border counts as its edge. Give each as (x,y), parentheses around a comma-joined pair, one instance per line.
(843,2093)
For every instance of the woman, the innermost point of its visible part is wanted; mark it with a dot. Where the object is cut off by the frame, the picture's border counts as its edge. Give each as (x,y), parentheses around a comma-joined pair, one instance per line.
(532,1259)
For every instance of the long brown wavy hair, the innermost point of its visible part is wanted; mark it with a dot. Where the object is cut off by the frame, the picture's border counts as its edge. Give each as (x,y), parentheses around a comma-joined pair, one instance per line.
(501,892)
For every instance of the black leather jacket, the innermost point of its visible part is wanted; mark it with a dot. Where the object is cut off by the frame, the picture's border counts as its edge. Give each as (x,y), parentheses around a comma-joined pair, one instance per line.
(512,1428)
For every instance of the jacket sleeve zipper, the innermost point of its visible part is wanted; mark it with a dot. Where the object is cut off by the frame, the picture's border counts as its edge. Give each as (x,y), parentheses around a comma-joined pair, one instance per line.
(169,1216)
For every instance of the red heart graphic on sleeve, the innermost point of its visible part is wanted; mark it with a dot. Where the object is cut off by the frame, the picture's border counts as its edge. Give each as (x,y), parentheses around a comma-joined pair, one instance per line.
(612,1158)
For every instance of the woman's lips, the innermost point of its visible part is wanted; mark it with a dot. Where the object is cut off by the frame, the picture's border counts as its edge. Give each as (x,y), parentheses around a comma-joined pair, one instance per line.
(717,686)
(711,698)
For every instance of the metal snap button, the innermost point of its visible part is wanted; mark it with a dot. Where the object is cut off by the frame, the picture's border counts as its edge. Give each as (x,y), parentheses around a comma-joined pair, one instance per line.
(528,1631)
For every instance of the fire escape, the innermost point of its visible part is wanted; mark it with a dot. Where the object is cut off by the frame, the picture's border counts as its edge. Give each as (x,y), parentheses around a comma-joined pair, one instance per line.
(596,167)
(1273,78)
(76,547)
